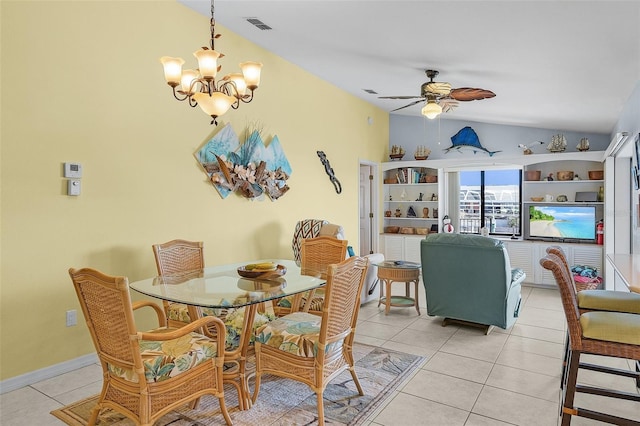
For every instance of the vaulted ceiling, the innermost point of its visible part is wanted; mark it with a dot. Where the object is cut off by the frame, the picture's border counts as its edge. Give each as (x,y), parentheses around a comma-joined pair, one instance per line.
(565,65)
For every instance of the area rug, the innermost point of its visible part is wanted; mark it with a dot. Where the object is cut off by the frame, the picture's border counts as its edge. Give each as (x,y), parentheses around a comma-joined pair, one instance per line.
(282,401)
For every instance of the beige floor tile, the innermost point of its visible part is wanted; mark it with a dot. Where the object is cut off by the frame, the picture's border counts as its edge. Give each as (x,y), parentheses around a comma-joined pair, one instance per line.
(21,399)
(539,333)
(547,318)
(398,317)
(432,324)
(410,349)
(34,411)
(459,366)
(473,343)
(534,346)
(70,381)
(550,366)
(368,340)
(544,299)
(476,420)
(377,330)
(444,389)
(515,408)
(432,339)
(411,410)
(525,382)
(80,393)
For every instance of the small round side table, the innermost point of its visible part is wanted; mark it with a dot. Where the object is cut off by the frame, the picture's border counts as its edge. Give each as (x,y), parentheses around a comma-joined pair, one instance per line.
(391,271)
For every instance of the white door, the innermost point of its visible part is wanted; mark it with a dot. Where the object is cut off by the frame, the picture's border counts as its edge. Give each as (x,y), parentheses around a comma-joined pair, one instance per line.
(366,210)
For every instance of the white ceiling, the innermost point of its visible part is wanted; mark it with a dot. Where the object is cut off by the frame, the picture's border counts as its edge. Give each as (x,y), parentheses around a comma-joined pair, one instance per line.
(562,65)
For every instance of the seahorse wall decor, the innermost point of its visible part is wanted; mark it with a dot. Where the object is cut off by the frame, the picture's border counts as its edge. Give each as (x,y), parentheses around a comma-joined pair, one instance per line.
(327,168)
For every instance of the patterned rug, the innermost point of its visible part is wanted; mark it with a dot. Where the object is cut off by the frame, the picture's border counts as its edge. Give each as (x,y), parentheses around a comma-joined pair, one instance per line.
(282,401)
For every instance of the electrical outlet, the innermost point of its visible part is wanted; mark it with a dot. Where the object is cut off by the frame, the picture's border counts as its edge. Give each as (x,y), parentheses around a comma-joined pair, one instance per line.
(72,318)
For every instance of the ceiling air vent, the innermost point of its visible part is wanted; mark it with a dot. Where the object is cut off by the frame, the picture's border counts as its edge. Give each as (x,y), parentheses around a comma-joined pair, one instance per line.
(370,91)
(258,23)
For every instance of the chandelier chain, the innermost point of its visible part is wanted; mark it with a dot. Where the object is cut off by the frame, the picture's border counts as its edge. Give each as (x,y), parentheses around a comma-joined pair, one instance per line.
(213,28)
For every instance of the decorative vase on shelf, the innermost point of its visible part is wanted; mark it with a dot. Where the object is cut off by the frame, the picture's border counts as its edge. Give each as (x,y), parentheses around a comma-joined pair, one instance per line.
(425,212)
(601,194)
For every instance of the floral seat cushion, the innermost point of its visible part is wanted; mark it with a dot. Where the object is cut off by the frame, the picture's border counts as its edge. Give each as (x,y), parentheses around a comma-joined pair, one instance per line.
(234,322)
(296,333)
(165,359)
(180,312)
(233,319)
(316,302)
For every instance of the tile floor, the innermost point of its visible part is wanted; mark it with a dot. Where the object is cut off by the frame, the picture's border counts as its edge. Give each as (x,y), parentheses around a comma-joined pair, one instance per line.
(506,378)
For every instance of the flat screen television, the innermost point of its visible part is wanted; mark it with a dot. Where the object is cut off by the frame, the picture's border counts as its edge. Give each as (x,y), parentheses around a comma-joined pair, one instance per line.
(562,223)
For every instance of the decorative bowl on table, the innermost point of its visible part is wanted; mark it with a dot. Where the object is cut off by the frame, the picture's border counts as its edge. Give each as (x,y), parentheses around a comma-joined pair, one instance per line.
(261,270)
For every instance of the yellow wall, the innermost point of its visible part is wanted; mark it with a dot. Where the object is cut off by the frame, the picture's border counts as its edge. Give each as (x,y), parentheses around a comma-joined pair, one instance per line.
(81,81)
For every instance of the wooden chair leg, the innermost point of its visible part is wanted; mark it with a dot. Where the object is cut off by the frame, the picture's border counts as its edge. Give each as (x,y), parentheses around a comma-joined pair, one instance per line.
(320,408)
(570,388)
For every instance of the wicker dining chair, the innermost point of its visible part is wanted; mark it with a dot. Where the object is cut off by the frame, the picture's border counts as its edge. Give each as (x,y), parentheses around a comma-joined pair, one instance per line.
(612,334)
(590,299)
(315,349)
(147,374)
(178,256)
(316,254)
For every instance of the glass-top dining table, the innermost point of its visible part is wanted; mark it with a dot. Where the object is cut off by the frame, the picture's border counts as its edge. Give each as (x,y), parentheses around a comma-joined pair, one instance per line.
(221,287)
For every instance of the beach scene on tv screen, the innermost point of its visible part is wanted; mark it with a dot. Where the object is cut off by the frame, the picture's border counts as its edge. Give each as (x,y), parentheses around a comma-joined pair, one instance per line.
(562,222)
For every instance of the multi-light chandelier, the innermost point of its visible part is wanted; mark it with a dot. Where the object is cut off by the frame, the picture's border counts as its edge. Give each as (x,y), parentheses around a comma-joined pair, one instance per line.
(199,87)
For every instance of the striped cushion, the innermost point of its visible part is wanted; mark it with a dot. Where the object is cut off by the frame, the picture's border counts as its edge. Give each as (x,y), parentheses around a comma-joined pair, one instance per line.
(611,327)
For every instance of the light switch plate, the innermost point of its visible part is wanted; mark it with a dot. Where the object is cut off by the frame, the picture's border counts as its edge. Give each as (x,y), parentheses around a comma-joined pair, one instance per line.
(73,170)
(73,187)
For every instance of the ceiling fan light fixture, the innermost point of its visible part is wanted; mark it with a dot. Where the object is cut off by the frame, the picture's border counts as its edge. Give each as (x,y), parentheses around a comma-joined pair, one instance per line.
(431,110)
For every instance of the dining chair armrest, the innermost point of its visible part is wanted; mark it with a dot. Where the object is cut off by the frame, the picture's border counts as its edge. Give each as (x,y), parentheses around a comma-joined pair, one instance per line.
(198,325)
(162,319)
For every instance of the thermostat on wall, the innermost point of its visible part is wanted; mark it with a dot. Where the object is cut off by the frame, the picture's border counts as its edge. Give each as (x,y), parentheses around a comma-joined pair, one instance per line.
(72,170)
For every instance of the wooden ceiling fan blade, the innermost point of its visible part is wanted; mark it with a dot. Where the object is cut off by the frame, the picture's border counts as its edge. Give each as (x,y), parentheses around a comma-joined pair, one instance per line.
(470,94)
(400,97)
(411,104)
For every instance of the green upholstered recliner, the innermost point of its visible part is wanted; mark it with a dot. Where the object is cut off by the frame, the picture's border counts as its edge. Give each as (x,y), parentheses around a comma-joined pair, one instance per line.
(469,278)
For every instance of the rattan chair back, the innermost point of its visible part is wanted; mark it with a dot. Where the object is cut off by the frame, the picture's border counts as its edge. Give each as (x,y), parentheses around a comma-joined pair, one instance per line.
(560,271)
(106,304)
(178,256)
(174,257)
(342,299)
(316,254)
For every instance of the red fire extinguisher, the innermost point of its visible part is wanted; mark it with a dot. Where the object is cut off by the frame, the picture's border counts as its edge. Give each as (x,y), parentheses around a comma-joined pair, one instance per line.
(600,232)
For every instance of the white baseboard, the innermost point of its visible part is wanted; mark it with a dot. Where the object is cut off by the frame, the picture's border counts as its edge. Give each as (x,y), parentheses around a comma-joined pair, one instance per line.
(46,373)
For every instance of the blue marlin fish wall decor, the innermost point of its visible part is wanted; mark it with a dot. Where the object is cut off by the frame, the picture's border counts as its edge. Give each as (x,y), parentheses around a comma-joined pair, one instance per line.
(467,138)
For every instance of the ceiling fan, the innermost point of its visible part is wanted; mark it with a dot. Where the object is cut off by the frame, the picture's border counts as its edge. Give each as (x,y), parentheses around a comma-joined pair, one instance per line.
(441,97)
